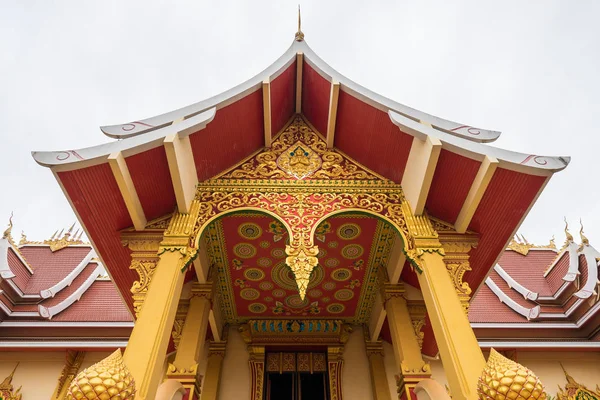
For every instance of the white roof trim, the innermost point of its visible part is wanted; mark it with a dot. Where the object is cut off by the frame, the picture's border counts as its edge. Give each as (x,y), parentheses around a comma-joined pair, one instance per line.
(145,134)
(5,271)
(67,280)
(133,145)
(553,344)
(51,324)
(529,313)
(573,270)
(49,312)
(64,343)
(590,254)
(513,284)
(527,163)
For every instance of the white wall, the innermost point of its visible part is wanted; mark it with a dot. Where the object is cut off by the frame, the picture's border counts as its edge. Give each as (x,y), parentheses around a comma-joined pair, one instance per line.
(235,374)
(356,376)
(38,372)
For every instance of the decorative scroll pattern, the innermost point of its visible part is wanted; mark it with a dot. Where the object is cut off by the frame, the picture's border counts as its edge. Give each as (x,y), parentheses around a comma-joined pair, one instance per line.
(257,370)
(7,392)
(290,331)
(335,363)
(576,391)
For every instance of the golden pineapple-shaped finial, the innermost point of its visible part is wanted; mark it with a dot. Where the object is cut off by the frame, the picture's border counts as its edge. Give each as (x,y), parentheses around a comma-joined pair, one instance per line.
(505,379)
(108,379)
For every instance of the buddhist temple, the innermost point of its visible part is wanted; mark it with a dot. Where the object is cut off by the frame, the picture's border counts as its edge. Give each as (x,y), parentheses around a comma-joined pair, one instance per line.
(299,237)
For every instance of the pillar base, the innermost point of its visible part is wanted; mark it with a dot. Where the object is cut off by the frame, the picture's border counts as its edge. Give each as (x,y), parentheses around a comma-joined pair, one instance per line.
(189,379)
(406,385)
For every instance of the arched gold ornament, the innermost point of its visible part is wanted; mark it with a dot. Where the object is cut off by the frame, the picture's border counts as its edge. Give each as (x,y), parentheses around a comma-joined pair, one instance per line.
(108,379)
(503,378)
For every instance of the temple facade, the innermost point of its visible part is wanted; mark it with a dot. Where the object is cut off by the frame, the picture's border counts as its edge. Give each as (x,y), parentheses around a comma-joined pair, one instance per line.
(299,237)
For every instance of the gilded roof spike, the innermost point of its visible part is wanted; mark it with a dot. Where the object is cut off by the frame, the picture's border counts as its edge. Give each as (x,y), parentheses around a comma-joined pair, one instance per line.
(70,230)
(6,383)
(61,233)
(584,240)
(7,232)
(23,239)
(552,243)
(569,236)
(53,235)
(299,34)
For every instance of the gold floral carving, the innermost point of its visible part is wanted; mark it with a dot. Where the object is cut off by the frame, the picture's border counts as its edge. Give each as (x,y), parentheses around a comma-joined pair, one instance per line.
(7,391)
(58,240)
(302,261)
(70,369)
(284,160)
(457,248)
(522,246)
(335,363)
(291,331)
(418,326)
(139,289)
(180,316)
(257,370)
(576,391)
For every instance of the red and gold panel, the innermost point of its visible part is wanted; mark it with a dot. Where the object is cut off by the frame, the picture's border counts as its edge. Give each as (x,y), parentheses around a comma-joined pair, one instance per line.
(249,251)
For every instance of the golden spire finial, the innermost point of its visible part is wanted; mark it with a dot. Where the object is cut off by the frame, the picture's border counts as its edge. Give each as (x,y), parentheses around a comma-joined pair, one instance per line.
(569,236)
(299,34)
(584,241)
(7,232)
(7,382)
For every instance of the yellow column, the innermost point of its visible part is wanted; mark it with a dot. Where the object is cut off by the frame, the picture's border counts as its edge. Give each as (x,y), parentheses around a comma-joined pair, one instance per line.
(381,389)
(461,356)
(212,376)
(406,345)
(193,335)
(147,347)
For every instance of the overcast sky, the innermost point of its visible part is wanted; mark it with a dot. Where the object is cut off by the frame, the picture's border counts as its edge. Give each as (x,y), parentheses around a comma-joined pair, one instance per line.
(526,68)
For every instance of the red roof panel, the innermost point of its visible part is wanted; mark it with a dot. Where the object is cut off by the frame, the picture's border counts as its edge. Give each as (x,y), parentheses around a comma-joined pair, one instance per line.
(450,186)
(236,132)
(96,197)
(19,269)
(315,98)
(368,136)
(283,98)
(149,171)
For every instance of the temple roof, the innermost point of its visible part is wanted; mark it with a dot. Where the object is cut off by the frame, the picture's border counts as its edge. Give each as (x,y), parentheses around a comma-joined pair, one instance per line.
(540,292)
(444,167)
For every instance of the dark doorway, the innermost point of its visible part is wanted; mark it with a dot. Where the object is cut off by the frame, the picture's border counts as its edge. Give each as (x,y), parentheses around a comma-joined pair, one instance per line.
(296,376)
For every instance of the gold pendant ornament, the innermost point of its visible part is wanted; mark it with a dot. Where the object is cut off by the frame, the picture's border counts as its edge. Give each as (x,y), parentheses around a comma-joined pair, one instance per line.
(503,378)
(302,261)
(106,380)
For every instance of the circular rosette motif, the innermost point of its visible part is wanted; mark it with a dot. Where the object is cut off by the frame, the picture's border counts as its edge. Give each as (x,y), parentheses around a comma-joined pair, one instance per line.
(294,301)
(266,285)
(278,253)
(315,293)
(352,251)
(254,274)
(283,276)
(249,294)
(333,244)
(264,262)
(335,308)
(257,308)
(322,252)
(278,293)
(348,231)
(244,250)
(264,244)
(332,262)
(341,274)
(250,231)
(344,294)
(329,286)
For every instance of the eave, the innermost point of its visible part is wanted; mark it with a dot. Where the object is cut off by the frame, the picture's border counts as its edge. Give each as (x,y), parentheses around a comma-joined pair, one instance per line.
(379,133)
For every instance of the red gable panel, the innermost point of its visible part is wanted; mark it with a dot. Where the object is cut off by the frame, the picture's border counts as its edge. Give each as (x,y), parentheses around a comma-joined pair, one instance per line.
(450,186)
(236,132)
(504,203)
(315,98)
(283,98)
(96,197)
(149,171)
(367,135)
